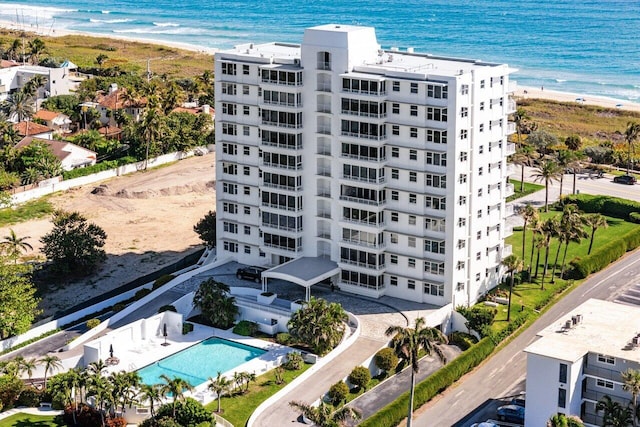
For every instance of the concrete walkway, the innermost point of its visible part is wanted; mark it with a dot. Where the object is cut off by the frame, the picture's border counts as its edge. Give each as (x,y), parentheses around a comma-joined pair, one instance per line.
(30,411)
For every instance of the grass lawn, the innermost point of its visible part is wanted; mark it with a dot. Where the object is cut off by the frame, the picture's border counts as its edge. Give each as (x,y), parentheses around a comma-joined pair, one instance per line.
(528,189)
(26,211)
(27,420)
(237,409)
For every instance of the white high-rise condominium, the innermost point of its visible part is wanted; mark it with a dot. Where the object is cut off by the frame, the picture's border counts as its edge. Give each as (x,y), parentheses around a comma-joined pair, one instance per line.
(390,165)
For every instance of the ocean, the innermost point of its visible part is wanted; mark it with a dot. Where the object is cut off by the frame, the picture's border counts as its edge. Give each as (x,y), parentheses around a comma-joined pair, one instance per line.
(583,46)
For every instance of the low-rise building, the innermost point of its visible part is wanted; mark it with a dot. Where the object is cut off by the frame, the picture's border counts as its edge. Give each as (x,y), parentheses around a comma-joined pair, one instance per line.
(71,156)
(36,130)
(579,359)
(59,122)
(58,81)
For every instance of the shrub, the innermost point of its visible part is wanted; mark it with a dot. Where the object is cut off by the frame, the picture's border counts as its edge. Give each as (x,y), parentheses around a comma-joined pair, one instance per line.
(386,359)
(246,328)
(119,306)
(338,392)
(141,294)
(10,388)
(162,280)
(116,422)
(478,317)
(283,338)
(186,328)
(167,307)
(30,397)
(294,361)
(189,412)
(462,340)
(99,167)
(360,377)
(634,217)
(597,260)
(611,206)
(92,323)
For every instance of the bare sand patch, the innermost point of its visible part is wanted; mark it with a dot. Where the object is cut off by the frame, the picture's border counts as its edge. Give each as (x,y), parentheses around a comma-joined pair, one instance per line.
(148,217)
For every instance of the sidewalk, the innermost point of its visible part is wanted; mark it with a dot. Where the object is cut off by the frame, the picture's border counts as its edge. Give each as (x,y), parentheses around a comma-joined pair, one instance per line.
(31,411)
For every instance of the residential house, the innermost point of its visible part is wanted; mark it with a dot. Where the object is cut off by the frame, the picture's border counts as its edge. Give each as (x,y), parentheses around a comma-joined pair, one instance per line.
(116,99)
(70,155)
(59,122)
(28,128)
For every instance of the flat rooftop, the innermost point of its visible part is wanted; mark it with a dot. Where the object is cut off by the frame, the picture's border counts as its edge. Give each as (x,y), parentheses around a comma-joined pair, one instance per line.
(606,328)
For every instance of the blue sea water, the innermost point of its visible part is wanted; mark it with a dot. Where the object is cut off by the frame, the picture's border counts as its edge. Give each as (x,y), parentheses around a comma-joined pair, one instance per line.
(583,46)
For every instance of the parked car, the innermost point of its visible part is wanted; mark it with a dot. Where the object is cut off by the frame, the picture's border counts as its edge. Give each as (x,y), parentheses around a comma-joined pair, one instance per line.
(625,179)
(251,273)
(485,424)
(511,413)
(518,401)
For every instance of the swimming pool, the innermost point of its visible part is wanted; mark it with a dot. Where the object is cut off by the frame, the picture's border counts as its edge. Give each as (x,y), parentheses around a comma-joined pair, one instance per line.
(201,361)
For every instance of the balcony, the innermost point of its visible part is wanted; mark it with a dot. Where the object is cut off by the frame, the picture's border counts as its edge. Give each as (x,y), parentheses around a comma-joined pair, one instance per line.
(324,108)
(513,86)
(363,264)
(364,136)
(323,214)
(378,180)
(363,158)
(508,231)
(324,193)
(363,201)
(281,103)
(511,106)
(281,187)
(365,92)
(364,114)
(323,87)
(508,210)
(511,149)
(378,245)
(506,251)
(324,150)
(324,65)
(282,248)
(282,227)
(324,172)
(511,128)
(364,222)
(324,130)
(282,124)
(509,190)
(281,207)
(277,145)
(324,235)
(297,166)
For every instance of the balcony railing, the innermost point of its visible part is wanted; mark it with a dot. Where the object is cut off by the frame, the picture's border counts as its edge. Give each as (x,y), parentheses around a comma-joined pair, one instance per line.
(277,145)
(283,248)
(506,251)
(511,128)
(324,65)
(282,166)
(377,245)
(282,227)
(363,201)
(511,106)
(364,136)
(324,235)
(363,158)
(378,180)
(511,149)
(325,130)
(324,172)
(282,187)
(363,222)
(285,208)
(365,92)
(364,114)
(324,193)
(324,87)
(282,103)
(363,264)
(281,124)
(324,108)
(509,190)
(323,214)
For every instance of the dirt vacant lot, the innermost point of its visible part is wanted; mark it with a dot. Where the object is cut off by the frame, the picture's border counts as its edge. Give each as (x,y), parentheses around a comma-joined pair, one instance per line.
(148,217)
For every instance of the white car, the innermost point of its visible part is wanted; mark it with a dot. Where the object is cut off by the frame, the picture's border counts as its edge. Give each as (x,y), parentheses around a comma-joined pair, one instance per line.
(485,424)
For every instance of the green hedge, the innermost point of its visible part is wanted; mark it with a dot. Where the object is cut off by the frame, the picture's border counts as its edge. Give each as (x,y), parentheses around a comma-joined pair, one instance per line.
(98,167)
(606,205)
(604,255)
(396,411)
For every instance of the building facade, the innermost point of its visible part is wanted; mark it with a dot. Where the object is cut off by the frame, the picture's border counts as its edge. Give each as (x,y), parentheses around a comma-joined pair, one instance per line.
(579,360)
(390,163)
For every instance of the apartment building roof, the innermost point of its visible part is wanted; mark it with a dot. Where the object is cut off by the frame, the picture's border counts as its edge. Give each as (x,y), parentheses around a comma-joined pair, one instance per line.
(605,328)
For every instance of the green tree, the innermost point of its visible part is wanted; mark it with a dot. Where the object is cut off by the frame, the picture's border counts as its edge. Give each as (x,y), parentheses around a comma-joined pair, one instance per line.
(574,143)
(177,387)
(66,104)
(561,420)
(101,59)
(360,377)
(595,221)
(565,159)
(13,246)
(338,393)
(548,171)
(615,415)
(522,157)
(153,394)
(386,359)
(26,365)
(10,389)
(220,386)
(518,118)
(512,264)
(631,384)
(550,229)
(529,216)
(319,324)
(325,416)
(37,47)
(571,229)
(543,141)
(20,106)
(188,412)
(18,303)
(408,342)
(213,300)
(50,363)
(206,229)
(631,133)
(33,85)
(74,245)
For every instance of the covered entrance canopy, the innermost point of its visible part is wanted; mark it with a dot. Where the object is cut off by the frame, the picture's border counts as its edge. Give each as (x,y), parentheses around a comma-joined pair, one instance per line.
(305,271)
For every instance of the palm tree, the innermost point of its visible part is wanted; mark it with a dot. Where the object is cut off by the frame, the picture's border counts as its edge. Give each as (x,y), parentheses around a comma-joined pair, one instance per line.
(25,365)
(20,106)
(35,83)
(12,52)
(523,157)
(615,415)
(630,135)
(152,393)
(561,420)
(175,386)
(319,324)
(325,416)
(219,386)
(631,384)
(212,297)
(595,221)
(565,159)
(512,263)
(548,171)
(100,59)
(36,48)
(13,246)
(408,342)
(529,215)
(549,230)
(152,124)
(574,143)
(569,230)
(96,368)
(50,363)
(518,118)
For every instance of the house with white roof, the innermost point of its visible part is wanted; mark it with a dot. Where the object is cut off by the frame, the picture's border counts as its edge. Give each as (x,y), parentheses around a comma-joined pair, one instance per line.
(71,156)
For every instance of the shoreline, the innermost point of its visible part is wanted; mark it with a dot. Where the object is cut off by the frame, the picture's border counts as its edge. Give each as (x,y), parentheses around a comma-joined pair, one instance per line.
(521,92)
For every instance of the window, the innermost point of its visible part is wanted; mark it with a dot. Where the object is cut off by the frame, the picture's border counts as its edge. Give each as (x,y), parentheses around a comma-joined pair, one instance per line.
(247,190)
(413,132)
(413,177)
(462,200)
(262,254)
(412,220)
(230,246)
(395,174)
(395,195)
(412,242)
(462,222)
(479,213)
(604,383)
(437,136)
(562,377)
(245,89)
(480,192)
(562,398)
(393,238)
(481,127)
(464,90)
(228,68)
(413,198)
(230,207)
(395,130)
(437,114)
(463,156)
(247,210)
(411,284)
(229,129)
(414,87)
(480,170)
(246,130)
(460,265)
(413,154)
(438,92)
(247,230)
(481,84)
(460,286)
(230,149)
(434,267)
(395,152)
(393,259)
(228,108)
(245,70)
(482,106)
(247,249)
(228,88)
(478,276)
(230,227)
(229,188)
(435,246)
(414,110)
(462,243)
(395,108)
(245,110)
(394,216)
(481,149)
(464,112)
(436,289)
(478,255)
(603,358)
(411,263)
(393,281)
(246,170)
(479,235)
(246,151)
(438,159)
(464,134)
(395,86)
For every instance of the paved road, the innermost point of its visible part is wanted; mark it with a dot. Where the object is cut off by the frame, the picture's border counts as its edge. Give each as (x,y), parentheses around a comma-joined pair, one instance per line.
(504,373)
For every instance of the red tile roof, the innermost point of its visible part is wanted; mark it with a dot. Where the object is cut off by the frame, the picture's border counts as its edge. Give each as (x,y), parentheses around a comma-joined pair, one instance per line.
(31,127)
(117,100)
(46,115)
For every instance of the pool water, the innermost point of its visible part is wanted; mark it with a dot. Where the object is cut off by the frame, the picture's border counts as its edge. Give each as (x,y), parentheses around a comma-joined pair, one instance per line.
(201,361)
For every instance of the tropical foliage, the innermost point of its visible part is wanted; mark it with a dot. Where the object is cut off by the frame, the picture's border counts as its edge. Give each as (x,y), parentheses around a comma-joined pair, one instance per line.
(215,303)
(319,325)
